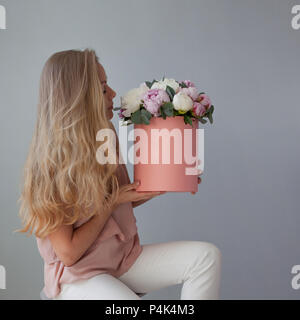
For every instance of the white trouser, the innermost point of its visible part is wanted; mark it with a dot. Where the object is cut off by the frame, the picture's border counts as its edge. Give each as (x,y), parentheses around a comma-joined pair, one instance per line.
(196,264)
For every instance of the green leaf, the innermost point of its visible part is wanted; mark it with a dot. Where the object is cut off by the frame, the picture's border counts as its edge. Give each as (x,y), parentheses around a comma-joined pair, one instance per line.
(176,113)
(168,109)
(203,121)
(170,91)
(187,119)
(117,108)
(149,84)
(145,116)
(136,117)
(209,113)
(126,122)
(153,82)
(145,120)
(183,85)
(189,113)
(162,112)
(210,118)
(147,113)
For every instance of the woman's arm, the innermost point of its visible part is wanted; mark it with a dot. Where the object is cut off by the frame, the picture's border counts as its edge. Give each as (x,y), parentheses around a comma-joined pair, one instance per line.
(69,244)
(138,203)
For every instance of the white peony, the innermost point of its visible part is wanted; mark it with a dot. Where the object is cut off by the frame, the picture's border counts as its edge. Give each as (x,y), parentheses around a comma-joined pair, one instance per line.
(132,99)
(144,86)
(162,84)
(182,102)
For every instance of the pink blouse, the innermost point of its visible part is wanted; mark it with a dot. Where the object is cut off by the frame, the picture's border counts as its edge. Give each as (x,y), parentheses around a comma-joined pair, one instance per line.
(114,251)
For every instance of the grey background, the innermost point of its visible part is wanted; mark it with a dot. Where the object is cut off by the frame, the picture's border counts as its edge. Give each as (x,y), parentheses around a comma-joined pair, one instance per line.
(245,55)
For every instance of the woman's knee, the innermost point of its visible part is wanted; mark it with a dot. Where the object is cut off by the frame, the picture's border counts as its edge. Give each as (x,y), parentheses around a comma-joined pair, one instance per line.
(216,252)
(211,251)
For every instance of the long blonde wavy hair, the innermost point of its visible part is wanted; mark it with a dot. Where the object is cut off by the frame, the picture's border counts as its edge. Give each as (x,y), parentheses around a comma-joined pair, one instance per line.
(62,180)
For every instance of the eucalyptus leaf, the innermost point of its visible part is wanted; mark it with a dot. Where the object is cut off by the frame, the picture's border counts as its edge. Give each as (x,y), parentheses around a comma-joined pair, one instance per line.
(168,109)
(145,120)
(188,120)
(162,112)
(147,113)
(136,117)
(145,116)
(203,121)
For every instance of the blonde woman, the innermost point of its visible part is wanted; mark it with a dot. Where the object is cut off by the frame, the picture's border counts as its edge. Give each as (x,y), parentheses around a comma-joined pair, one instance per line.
(81,211)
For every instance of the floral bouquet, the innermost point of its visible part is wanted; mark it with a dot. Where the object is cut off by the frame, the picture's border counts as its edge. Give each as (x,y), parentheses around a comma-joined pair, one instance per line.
(165,98)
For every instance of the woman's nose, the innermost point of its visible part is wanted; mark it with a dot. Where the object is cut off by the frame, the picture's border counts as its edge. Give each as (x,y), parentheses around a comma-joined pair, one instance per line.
(113,92)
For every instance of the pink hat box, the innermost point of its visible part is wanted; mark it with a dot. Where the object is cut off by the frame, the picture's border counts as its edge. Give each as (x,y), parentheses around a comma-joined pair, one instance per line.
(166,170)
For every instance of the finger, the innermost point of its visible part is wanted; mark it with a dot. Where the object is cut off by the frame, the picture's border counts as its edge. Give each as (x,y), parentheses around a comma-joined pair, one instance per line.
(199,180)
(151,193)
(161,192)
(148,197)
(131,186)
(158,192)
(155,193)
(147,194)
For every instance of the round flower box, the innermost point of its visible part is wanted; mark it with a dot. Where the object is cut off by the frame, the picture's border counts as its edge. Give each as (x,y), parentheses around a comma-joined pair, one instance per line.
(165,155)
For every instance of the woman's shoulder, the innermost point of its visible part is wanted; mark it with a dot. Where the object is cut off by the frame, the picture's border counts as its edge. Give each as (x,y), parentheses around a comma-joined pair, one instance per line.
(46,250)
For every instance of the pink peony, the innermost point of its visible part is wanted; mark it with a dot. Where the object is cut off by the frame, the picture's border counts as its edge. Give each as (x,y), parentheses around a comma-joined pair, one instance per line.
(204,100)
(199,109)
(189,83)
(153,99)
(192,92)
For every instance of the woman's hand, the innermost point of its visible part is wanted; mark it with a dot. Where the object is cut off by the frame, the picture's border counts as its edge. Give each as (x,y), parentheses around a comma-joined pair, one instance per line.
(127,193)
(199,179)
